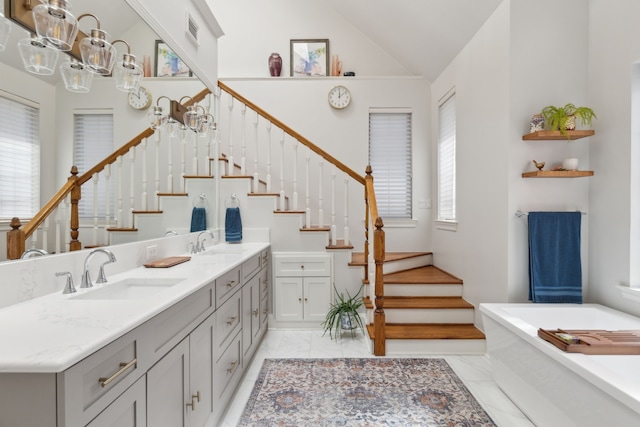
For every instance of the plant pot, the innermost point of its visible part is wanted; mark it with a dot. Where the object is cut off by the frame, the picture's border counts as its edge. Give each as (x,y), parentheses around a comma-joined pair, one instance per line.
(571,123)
(347,322)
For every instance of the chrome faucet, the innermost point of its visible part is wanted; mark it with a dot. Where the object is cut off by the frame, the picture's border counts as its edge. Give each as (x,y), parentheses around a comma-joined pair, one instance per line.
(69,288)
(86,277)
(33,252)
(199,246)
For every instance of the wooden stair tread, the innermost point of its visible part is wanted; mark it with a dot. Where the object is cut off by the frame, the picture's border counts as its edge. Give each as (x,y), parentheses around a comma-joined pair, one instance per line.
(146,212)
(198,176)
(433,331)
(314,228)
(122,229)
(173,194)
(340,244)
(236,176)
(287,212)
(422,275)
(391,302)
(263,194)
(357,258)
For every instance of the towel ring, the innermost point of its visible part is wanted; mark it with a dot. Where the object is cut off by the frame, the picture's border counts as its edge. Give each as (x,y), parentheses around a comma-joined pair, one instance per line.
(200,201)
(232,201)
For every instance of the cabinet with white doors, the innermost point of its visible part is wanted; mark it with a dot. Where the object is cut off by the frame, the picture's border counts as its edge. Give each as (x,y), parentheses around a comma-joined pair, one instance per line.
(302,287)
(255,308)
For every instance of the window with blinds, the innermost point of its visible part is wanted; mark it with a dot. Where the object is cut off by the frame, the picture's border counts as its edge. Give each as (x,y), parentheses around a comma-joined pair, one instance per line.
(447,158)
(92,142)
(19,157)
(390,160)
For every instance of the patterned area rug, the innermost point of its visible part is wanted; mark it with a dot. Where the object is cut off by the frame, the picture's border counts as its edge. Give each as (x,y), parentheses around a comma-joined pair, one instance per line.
(361,392)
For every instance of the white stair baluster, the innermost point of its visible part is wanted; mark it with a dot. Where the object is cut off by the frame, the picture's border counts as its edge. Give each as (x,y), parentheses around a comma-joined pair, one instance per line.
(119,176)
(282,200)
(307,195)
(95,178)
(333,206)
(58,232)
(45,232)
(346,209)
(194,161)
(184,134)
(145,193)
(66,232)
(268,177)
(243,142)
(320,210)
(170,164)
(157,206)
(132,182)
(295,175)
(107,201)
(230,156)
(256,175)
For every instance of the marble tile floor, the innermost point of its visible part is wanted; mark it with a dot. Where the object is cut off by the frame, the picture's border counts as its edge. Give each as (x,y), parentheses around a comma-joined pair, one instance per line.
(474,370)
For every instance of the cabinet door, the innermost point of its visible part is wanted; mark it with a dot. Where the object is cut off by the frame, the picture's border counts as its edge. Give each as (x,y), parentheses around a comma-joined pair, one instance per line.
(317,297)
(250,315)
(288,294)
(128,410)
(168,388)
(201,345)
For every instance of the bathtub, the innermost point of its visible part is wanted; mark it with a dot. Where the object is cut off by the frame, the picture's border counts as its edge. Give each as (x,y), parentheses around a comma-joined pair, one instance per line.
(554,388)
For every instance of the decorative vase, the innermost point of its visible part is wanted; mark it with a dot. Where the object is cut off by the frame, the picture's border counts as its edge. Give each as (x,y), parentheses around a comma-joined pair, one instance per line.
(537,123)
(346,322)
(275,64)
(570,164)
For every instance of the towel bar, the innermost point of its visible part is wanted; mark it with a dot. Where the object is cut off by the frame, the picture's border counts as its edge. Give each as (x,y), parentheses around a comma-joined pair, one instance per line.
(520,213)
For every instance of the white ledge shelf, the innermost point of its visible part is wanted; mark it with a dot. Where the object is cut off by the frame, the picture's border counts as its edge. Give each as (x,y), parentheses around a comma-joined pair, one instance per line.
(557,174)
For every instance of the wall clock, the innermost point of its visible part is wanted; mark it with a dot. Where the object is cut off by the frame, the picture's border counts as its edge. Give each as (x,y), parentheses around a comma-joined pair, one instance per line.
(339,97)
(140,100)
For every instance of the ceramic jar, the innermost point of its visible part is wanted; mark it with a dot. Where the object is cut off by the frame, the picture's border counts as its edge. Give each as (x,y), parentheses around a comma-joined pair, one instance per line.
(275,64)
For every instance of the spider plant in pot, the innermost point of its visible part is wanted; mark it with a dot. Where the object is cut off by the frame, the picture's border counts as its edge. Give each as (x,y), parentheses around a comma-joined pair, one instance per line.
(343,314)
(564,118)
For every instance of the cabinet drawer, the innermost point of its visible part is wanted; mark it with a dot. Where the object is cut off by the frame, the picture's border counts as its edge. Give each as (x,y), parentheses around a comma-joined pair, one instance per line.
(250,267)
(301,265)
(85,389)
(171,326)
(227,372)
(227,321)
(226,285)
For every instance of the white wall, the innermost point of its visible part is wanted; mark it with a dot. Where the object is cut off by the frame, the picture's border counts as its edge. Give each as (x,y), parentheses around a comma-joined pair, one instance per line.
(613,50)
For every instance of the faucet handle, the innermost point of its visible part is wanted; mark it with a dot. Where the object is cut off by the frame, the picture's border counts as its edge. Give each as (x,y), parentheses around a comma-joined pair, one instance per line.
(69,288)
(102,278)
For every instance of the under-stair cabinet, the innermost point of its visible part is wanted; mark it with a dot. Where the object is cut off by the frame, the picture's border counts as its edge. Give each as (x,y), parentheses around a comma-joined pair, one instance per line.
(302,288)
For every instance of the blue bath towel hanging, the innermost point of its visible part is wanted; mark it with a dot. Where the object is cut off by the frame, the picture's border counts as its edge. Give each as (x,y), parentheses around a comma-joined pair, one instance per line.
(555,271)
(198,219)
(233,225)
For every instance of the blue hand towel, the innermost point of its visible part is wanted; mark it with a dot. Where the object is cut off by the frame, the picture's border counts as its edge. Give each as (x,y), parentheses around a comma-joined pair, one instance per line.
(198,219)
(233,225)
(555,271)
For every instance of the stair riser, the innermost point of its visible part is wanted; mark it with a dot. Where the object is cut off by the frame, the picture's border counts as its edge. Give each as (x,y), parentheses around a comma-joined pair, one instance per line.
(449,346)
(422,315)
(424,290)
(406,264)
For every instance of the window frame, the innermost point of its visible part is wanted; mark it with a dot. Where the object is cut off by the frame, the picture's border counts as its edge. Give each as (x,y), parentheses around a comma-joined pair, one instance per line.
(447,141)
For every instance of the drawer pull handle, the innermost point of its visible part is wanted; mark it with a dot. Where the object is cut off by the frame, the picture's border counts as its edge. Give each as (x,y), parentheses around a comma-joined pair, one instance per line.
(123,367)
(231,320)
(233,367)
(231,284)
(306,300)
(299,299)
(194,398)
(256,312)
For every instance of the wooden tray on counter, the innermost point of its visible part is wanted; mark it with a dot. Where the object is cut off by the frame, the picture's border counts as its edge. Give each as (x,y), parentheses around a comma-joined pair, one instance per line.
(167,262)
(594,341)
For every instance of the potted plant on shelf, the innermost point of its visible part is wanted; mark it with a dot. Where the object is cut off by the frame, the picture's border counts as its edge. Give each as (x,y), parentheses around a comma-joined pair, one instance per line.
(343,314)
(564,118)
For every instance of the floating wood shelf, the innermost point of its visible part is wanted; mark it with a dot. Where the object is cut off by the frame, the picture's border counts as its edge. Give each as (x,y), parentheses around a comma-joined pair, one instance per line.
(557,174)
(556,135)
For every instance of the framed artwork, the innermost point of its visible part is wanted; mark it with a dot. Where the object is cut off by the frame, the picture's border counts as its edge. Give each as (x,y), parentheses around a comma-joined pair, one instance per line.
(309,58)
(168,64)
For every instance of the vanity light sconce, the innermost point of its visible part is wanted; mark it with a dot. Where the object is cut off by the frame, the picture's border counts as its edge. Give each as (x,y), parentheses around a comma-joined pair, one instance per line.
(98,54)
(127,73)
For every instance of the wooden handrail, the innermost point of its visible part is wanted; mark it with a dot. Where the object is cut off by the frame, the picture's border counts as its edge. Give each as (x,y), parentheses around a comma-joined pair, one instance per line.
(47,209)
(319,151)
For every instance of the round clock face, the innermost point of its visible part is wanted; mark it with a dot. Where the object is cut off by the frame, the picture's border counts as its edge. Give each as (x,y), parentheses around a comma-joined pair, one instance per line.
(140,100)
(339,97)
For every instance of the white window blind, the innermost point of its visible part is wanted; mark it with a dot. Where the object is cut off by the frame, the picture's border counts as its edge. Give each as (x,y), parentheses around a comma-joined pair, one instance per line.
(19,158)
(390,160)
(447,159)
(92,142)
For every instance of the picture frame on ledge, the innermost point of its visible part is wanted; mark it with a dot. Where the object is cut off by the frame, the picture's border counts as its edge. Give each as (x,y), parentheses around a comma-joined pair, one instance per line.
(167,63)
(309,57)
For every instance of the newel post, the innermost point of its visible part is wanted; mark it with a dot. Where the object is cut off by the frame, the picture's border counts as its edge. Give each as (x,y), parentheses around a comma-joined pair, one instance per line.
(368,176)
(379,322)
(75,244)
(15,239)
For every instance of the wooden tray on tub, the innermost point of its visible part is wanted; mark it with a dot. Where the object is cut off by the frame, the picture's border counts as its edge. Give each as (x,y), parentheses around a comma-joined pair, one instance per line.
(594,341)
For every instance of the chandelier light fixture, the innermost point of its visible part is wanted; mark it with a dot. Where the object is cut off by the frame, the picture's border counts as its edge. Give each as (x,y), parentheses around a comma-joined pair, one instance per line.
(75,76)
(181,118)
(37,57)
(127,72)
(55,24)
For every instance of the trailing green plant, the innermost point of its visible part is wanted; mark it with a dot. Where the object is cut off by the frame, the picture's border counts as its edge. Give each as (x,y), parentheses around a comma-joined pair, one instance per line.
(556,118)
(343,305)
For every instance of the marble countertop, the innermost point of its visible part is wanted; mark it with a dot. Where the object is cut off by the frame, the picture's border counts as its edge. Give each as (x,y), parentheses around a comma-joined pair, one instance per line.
(53,332)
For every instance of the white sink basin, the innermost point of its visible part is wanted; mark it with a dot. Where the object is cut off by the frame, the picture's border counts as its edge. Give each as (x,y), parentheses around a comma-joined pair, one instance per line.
(129,289)
(223,249)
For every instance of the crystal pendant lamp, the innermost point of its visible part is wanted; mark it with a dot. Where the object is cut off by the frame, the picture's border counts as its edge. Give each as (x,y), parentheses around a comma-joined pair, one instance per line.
(5,31)
(55,24)
(127,72)
(76,77)
(98,55)
(37,57)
